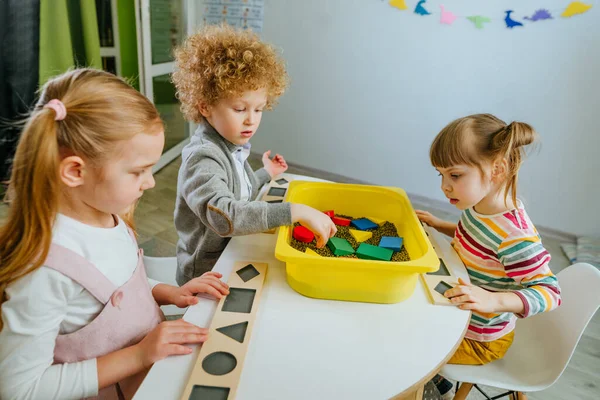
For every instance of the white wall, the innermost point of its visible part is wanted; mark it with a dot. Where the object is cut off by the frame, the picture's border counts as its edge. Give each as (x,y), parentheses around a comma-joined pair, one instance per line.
(372,86)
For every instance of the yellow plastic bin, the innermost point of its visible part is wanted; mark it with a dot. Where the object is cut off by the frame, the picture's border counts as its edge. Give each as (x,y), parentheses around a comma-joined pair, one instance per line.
(352,279)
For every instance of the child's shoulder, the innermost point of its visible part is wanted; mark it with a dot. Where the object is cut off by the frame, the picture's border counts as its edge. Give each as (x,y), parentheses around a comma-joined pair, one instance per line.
(200,148)
(42,290)
(505,227)
(519,231)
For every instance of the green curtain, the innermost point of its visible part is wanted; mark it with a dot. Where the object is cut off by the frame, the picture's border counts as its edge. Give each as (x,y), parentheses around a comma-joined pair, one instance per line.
(128,41)
(68,37)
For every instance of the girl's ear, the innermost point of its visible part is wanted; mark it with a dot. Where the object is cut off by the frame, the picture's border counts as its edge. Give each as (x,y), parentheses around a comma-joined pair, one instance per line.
(72,171)
(499,170)
(204,109)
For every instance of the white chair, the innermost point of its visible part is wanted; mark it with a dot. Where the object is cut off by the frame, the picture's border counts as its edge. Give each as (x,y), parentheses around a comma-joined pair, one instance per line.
(543,344)
(163,270)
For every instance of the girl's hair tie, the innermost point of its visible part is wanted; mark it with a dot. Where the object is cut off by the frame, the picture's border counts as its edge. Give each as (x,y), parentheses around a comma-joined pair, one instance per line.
(58,107)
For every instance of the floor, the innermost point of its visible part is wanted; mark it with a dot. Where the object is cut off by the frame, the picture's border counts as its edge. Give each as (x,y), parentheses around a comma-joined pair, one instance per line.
(157,236)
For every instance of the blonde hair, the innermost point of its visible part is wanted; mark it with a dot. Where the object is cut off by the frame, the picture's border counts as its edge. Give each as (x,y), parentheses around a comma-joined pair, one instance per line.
(102,110)
(220,62)
(483,138)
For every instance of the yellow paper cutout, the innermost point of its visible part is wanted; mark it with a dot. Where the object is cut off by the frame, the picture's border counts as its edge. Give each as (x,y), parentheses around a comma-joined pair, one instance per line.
(360,236)
(576,7)
(401,4)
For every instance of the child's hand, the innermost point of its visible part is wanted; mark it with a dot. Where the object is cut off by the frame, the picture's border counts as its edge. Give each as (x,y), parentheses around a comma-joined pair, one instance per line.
(429,219)
(209,283)
(167,339)
(445,227)
(470,297)
(275,166)
(318,222)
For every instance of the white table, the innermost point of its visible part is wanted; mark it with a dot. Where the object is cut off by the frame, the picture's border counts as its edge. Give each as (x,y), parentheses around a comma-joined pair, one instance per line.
(303,348)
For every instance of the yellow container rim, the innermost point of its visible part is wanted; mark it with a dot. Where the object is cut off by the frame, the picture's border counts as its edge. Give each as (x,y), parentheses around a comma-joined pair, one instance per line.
(428,262)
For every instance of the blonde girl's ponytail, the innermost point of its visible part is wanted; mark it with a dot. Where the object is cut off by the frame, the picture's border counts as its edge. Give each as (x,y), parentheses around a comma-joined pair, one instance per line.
(33,196)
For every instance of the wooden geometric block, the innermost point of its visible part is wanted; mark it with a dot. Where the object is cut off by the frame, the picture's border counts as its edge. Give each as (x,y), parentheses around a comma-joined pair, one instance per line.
(303,234)
(363,224)
(339,246)
(311,252)
(340,221)
(369,252)
(360,236)
(219,364)
(378,221)
(391,242)
(329,213)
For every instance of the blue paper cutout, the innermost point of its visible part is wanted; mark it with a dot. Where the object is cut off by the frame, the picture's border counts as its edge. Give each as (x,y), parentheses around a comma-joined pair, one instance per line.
(511,23)
(539,15)
(419,9)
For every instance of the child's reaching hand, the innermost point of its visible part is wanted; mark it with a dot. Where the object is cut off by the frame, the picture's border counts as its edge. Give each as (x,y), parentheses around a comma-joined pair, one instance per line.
(428,218)
(436,223)
(209,283)
(318,222)
(274,166)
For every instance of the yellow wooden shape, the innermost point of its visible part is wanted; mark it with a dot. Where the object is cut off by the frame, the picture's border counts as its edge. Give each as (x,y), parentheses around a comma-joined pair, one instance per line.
(378,221)
(360,236)
(401,4)
(311,252)
(576,7)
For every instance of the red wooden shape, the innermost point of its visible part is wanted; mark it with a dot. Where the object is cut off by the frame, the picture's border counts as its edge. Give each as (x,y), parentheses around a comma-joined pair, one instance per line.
(303,234)
(340,221)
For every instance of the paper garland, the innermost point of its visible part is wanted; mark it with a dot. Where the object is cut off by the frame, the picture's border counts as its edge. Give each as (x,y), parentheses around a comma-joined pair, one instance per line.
(511,21)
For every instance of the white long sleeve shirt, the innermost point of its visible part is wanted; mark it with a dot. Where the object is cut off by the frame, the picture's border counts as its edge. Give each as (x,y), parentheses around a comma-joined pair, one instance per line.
(46,303)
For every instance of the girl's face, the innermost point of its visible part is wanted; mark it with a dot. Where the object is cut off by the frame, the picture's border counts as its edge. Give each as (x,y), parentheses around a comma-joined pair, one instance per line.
(465,186)
(237,119)
(122,179)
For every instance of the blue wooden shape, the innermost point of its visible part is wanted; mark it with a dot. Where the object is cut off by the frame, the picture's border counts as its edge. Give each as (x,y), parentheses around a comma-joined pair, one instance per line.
(363,224)
(391,242)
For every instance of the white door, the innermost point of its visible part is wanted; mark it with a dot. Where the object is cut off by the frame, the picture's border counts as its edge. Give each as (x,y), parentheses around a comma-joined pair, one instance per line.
(163,24)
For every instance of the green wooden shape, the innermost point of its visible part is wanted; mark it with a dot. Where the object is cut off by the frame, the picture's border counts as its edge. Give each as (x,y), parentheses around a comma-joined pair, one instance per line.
(369,252)
(340,247)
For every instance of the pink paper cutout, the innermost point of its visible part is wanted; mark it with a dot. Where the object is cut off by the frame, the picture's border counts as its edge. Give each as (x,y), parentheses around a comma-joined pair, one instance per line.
(447,17)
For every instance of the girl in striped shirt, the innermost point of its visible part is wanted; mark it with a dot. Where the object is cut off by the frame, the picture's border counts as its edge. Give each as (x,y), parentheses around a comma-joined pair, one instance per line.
(478,158)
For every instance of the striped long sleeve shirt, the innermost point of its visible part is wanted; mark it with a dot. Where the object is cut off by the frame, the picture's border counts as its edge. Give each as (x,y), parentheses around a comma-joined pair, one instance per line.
(504,252)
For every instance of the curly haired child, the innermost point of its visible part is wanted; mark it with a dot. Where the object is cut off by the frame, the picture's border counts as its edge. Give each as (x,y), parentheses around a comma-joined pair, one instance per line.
(225,79)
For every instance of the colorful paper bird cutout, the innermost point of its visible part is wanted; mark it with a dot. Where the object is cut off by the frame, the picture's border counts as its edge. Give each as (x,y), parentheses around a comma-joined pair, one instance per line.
(419,9)
(479,20)
(401,4)
(576,7)
(447,17)
(511,23)
(539,15)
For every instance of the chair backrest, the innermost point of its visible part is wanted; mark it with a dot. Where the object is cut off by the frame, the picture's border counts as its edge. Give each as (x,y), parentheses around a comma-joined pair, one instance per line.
(557,333)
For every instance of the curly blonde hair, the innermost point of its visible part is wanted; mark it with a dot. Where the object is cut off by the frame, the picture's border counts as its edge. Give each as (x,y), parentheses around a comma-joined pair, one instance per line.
(220,62)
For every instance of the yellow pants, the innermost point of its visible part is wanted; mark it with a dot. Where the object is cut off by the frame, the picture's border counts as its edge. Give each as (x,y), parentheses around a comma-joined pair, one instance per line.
(472,352)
